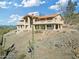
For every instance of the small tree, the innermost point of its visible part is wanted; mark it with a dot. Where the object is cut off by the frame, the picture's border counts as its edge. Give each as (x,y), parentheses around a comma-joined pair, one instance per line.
(69,12)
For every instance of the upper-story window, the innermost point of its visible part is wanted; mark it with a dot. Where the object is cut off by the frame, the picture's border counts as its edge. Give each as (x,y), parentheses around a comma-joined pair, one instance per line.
(49,18)
(26,20)
(42,19)
(37,19)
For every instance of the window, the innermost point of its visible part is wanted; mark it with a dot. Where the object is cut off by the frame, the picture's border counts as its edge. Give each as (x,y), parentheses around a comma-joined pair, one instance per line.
(42,19)
(36,26)
(26,20)
(49,18)
(49,25)
(42,26)
(36,19)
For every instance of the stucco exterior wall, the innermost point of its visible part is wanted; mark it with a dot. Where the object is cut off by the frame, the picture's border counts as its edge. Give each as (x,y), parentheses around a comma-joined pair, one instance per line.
(55,21)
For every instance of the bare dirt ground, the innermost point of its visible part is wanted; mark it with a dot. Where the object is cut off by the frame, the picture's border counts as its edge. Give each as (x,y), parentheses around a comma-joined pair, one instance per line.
(47,44)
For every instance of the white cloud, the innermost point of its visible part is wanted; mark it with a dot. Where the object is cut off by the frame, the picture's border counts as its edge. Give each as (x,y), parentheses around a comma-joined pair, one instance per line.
(59,4)
(34,13)
(9,3)
(30,3)
(56,7)
(42,2)
(13,18)
(4,4)
(62,2)
(17,5)
(24,3)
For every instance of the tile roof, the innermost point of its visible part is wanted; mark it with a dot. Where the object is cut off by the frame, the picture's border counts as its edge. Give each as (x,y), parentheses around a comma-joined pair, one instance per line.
(41,17)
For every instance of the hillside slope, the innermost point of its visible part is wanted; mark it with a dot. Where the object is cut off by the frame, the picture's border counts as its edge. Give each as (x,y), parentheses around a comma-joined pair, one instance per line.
(48,44)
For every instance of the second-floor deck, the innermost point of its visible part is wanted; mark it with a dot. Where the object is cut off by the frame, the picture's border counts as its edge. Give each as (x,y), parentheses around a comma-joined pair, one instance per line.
(48,22)
(22,23)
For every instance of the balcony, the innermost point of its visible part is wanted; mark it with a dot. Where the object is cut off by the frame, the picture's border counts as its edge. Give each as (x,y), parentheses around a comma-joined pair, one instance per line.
(48,22)
(22,23)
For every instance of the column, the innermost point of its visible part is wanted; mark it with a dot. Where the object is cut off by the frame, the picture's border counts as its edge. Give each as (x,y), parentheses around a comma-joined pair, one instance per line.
(24,27)
(45,27)
(25,24)
(54,27)
(29,25)
(58,26)
(34,28)
(20,26)
(61,26)
(39,27)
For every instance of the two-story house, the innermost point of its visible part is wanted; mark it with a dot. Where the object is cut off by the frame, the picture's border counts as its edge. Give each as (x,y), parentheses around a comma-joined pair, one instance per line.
(51,22)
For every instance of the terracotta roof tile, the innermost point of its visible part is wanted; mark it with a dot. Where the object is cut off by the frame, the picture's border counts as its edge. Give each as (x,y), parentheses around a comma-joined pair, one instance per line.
(53,15)
(42,17)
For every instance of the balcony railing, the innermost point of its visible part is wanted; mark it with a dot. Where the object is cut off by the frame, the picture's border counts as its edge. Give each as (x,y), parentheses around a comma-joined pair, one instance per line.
(22,23)
(48,22)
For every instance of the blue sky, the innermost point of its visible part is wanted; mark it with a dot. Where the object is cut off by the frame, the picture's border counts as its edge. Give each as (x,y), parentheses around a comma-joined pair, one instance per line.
(12,10)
